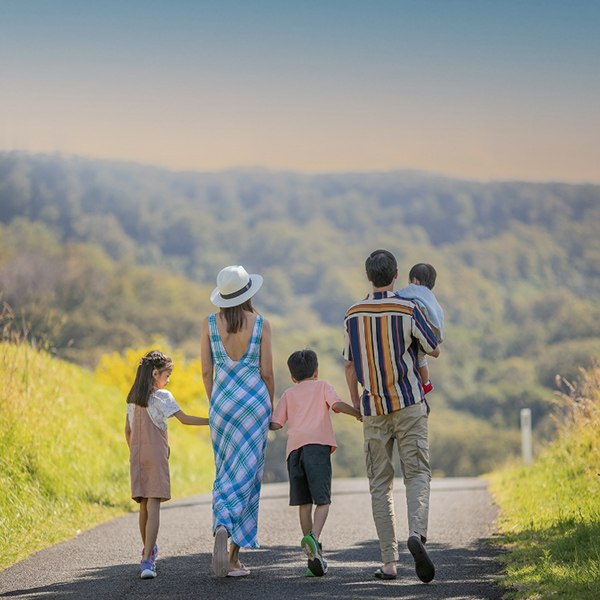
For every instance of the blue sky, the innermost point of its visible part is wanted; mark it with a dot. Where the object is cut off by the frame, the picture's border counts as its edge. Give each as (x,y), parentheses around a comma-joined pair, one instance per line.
(479,89)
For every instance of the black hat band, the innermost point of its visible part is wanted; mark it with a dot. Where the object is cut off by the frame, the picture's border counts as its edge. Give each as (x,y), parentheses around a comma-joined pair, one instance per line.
(238,293)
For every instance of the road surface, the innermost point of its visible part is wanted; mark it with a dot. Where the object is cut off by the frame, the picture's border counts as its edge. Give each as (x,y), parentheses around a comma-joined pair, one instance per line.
(103,563)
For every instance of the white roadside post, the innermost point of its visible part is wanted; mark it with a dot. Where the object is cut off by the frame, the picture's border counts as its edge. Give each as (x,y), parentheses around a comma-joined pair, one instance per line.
(526,442)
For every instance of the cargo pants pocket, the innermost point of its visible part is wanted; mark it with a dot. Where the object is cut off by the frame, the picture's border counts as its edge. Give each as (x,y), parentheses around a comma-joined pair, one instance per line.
(414,459)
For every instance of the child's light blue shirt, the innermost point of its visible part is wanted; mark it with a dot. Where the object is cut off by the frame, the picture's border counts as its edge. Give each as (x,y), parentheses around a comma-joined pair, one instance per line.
(425,299)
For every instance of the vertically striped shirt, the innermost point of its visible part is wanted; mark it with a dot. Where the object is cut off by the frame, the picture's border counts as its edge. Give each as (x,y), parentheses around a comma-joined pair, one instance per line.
(382,337)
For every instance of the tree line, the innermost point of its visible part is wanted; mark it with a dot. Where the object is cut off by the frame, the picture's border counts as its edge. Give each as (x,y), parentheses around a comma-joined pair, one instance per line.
(98,256)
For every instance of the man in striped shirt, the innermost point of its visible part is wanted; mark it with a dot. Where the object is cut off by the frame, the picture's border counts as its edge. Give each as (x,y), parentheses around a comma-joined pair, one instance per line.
(382,336)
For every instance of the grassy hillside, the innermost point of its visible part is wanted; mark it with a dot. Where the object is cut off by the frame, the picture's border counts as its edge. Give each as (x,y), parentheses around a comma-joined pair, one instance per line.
(63,456)
(550,511)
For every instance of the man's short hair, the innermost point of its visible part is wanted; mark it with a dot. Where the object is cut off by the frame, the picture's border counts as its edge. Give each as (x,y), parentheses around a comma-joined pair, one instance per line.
(424,273)
(381,266)
(303,364)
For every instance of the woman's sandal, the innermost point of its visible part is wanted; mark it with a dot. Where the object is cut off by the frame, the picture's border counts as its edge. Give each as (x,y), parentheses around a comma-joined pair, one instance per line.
(241,572)
(220,559)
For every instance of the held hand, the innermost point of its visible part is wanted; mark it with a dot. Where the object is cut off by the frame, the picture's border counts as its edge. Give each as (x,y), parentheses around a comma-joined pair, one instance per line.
(186,419)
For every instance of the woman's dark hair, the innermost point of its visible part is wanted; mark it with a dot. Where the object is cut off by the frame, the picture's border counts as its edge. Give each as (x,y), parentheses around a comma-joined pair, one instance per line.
(234,315)
(381,266)
(424,273)
(303,364)
(144,382)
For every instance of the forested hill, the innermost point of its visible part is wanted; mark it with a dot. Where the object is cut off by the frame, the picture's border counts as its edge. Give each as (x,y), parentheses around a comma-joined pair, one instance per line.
(98,255)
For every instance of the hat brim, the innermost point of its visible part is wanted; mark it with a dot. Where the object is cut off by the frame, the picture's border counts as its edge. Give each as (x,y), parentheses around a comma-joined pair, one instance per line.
(221,302)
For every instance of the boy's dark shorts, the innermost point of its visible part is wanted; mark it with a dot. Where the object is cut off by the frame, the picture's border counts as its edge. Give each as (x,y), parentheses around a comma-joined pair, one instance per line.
(309,469)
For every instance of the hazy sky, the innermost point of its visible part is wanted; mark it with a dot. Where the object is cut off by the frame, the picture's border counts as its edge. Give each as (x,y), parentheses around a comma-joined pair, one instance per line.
(485,89)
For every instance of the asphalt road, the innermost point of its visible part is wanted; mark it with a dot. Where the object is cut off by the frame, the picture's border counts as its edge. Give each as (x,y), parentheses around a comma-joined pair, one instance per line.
(103,563)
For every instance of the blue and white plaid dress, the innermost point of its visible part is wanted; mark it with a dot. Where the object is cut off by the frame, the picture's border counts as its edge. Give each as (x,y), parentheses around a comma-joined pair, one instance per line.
(239,415)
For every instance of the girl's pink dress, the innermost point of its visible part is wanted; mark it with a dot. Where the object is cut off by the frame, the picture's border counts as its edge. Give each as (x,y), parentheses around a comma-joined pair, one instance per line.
(148,458)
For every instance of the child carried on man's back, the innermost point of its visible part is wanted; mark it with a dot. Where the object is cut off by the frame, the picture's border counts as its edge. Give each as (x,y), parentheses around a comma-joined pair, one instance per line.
(305,407)
(421,280)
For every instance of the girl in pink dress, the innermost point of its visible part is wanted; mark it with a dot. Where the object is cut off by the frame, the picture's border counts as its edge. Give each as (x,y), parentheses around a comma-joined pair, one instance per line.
(149,406)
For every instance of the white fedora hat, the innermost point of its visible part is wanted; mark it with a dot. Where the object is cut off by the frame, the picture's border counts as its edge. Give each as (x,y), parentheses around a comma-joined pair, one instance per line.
(235,286)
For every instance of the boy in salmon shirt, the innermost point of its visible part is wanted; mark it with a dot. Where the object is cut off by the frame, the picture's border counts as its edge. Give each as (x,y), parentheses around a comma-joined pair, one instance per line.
(305,407)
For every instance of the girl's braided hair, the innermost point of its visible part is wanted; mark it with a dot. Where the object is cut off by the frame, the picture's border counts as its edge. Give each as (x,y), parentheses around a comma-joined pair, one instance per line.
(144,381)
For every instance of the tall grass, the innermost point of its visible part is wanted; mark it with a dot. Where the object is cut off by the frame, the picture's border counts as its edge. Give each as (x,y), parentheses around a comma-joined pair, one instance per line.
(63,456)
(550,512)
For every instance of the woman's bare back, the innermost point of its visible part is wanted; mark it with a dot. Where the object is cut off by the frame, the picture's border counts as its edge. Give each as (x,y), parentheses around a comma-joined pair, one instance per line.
(236,344)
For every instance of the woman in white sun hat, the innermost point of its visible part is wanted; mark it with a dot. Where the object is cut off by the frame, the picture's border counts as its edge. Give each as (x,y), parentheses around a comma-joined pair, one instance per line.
(237,370)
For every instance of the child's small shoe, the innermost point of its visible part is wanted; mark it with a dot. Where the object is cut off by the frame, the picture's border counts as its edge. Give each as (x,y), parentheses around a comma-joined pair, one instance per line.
(153,556)
(322,559)
(428,387)
(148,570)
(317,565)
(310,545)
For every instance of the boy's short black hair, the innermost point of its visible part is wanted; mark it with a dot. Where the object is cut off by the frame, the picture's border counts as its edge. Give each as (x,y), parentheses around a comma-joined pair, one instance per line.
(381,266)
(424,273)
(303,364)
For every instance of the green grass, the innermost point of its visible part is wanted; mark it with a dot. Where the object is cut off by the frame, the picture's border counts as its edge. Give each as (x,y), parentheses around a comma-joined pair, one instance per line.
(63,456)
(550,511)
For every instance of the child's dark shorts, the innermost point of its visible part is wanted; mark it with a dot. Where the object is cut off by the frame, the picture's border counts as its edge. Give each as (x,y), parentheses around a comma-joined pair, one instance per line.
(309,469)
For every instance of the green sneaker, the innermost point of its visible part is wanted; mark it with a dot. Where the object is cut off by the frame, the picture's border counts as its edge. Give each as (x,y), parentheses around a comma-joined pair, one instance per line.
(313,550)
(310,545)
(309,573)
(317,565)
(322,559)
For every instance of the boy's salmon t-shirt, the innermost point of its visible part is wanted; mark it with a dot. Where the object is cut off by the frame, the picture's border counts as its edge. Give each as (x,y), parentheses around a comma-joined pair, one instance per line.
(305,407)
